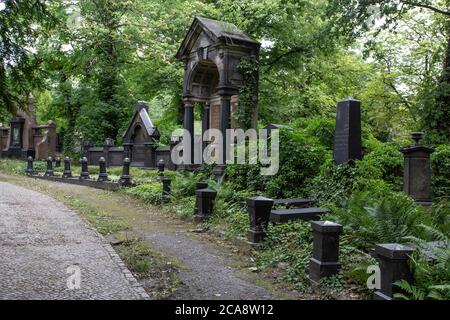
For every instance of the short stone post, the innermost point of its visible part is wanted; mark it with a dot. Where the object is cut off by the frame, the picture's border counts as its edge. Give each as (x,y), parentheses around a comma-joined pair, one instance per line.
(67,173)
(84,175)
(125,179)
(58,162)
(205,200)
(161,165)
(166,189)
(103,175)
(49,170)
(30,169)
(325,259)
(199,185)
(258,213)
(416,174)
(393,261)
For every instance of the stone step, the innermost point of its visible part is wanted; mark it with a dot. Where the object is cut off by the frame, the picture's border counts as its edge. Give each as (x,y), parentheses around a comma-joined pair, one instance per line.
(294,202)
(306,214)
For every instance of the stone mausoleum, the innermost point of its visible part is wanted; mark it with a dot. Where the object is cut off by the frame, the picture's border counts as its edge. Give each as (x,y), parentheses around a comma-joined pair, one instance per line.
(211,52)
(24,137)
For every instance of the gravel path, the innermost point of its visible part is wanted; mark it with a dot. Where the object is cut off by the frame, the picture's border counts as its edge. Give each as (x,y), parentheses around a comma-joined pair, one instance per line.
(41,238)
(207,275)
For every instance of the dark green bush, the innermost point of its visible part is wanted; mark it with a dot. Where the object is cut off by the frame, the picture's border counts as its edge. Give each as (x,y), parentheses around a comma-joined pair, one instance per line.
(440,166)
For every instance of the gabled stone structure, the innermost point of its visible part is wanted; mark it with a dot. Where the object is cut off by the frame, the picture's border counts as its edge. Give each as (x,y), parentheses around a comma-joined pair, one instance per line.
(211,52)
(139,144)
(139,141)
(25,138)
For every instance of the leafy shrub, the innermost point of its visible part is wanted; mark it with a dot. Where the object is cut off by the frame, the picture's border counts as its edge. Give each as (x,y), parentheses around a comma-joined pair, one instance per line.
(380,218)
(150,193)
(319,128)
(431,278)
(440,166)
(300,158)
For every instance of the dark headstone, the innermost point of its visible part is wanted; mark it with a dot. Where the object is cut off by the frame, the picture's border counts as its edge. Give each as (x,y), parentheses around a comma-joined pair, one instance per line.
(49,170)
(30,170)
(103,175)
(67,173)
(199,185)
(125,178)
(84,168)
(294,202)
(416,174)
(258,214)
(58,162)
(325,259)
(393,261)
(205,200)
(347,136)
(166,189)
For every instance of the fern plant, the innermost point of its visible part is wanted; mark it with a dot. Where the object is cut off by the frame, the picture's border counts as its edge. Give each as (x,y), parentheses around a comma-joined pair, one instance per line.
(372,219)
(430,267)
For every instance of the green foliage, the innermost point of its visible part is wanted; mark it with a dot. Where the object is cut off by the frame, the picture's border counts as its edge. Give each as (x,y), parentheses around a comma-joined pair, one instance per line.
(440,167)
(149,193)
(288,247)
(431,277)
(387,217)
(248,93)
(299,159)
(318,127)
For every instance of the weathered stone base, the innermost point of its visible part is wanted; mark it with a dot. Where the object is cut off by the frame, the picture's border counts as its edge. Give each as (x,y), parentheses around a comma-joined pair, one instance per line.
(255,236)
(319,269)
(82,182)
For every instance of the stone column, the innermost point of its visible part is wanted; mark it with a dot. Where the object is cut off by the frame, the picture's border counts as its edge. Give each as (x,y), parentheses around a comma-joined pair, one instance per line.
(67,173)
(84,169)
(205,123)
(58,162)
(49,170)
(416,174)
(393,261)
(161,165)
(259,213)
(224,118)
(325,259)
(125,178)
(199,185)
(166,189)
(30,170)
(188,151)
(103,175)
(205,200)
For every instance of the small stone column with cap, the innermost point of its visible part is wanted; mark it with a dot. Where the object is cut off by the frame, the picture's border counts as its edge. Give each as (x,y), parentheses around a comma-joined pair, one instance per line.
(84,175)
(67,173)
(49,170)
(161,165)
(125,178)
(30,169)
(103,175)
(205,201)
(325,259)
(259,214)
(166,189)
(393,261)
(199,185)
